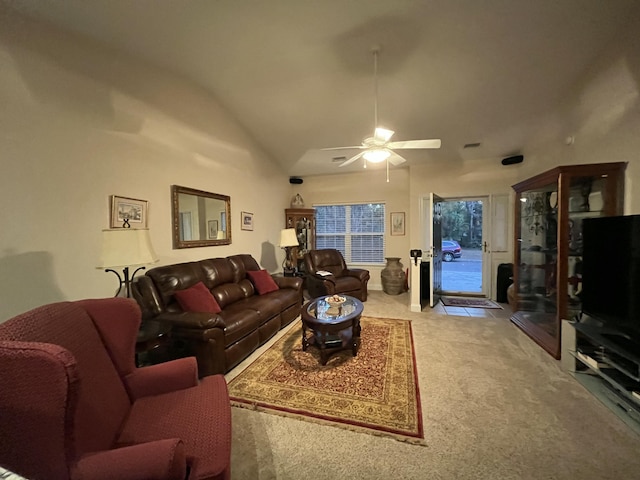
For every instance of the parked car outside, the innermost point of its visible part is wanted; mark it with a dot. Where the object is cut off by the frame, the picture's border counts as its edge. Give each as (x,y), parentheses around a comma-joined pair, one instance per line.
(450,250)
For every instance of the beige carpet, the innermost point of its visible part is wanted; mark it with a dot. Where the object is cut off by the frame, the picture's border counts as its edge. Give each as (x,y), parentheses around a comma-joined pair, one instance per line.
(375,391)
(494,406)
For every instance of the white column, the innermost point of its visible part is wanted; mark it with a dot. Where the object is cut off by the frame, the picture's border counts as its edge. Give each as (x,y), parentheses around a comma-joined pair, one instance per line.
(415,285)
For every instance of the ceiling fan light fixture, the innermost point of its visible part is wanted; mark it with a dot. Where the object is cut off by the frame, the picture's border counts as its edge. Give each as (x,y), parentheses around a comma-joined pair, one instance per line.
(376,155)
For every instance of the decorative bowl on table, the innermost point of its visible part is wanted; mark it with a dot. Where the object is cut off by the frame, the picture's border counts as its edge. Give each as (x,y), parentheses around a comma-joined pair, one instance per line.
(335,302)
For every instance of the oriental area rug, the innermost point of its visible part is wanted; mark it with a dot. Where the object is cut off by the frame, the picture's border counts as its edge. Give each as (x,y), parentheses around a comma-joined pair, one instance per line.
(469,302)
(375,392)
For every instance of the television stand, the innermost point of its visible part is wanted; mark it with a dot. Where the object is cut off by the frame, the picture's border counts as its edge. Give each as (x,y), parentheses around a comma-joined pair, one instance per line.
(623,341)
(607,364)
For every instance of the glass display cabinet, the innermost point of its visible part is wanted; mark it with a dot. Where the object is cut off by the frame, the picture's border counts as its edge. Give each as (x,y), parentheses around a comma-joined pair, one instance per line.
(549,211)
(304,221)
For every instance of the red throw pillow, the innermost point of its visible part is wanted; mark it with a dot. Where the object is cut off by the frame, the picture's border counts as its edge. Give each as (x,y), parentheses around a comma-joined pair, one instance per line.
(262,281)
(197,298)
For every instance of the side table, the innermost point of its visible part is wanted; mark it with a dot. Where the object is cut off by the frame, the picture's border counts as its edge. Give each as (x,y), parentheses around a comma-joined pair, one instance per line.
(152,343)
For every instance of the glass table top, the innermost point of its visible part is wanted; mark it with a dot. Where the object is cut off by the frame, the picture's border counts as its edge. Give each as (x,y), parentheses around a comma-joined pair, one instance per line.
(320,310)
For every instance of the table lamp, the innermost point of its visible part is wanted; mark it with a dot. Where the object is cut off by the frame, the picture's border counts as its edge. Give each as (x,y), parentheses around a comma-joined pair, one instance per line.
(288,239)
(126,247)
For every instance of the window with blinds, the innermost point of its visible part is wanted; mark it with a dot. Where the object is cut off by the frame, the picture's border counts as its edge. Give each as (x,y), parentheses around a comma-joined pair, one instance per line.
(355,230)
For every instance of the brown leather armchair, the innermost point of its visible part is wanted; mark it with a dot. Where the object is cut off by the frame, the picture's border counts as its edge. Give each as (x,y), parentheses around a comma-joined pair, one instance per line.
(349,281)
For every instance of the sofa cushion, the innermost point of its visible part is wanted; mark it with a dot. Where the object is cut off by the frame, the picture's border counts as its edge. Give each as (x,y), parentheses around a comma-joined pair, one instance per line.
(197,298)
(267,305)
(239,322)
(262,281)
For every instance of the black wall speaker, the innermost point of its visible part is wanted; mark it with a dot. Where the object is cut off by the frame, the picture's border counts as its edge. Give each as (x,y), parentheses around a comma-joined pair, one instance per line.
(512,160)
(295,180)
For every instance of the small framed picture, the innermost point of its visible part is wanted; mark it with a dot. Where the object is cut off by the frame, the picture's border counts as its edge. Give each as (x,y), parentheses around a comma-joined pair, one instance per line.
(212,229)
(397,223)
(246,221)
(128,212)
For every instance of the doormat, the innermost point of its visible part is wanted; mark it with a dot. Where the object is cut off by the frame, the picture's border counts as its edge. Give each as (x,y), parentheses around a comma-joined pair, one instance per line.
(374,392)
(469,302)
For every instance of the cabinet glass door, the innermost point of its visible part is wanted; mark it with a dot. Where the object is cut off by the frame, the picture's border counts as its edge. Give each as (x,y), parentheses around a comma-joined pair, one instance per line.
(550,209)
(586,200)
(537,268)
(303,221)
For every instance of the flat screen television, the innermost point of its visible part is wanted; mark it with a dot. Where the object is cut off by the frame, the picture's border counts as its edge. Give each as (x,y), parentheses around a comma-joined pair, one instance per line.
(611,276)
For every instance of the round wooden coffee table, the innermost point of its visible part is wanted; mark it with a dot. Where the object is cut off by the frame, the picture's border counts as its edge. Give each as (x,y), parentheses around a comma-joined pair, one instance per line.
(331,331)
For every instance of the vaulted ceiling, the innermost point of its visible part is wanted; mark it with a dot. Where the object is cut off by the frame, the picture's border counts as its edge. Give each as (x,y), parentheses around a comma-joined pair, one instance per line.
(298,74)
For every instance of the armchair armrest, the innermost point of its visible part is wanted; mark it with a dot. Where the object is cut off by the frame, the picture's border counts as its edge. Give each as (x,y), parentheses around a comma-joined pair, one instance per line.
(162,378)
(197,320)
(289,282)
(359,273)
(321,278)
(159,460)
(319,285)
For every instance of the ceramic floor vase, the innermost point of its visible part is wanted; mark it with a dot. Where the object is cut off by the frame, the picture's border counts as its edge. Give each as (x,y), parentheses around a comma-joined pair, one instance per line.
(393,276)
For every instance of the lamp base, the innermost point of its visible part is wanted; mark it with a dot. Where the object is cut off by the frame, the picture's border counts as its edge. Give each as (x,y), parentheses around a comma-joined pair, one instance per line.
(126,281)
(289,272)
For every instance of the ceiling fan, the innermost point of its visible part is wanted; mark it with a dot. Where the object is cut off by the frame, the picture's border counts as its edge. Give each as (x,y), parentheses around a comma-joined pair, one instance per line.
(378,148)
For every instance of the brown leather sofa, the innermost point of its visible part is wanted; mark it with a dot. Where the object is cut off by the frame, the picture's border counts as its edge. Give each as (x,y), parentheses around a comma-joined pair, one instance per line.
(219,341)
(349,281)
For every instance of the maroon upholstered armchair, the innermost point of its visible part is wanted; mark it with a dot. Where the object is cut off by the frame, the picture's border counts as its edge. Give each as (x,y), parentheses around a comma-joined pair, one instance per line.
(73,405)
(350,281)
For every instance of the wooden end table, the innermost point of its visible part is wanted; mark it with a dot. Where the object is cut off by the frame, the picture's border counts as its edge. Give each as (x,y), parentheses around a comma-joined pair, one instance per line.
(331,333)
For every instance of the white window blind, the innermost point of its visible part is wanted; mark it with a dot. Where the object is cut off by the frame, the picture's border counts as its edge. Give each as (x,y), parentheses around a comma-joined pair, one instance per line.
(357,231)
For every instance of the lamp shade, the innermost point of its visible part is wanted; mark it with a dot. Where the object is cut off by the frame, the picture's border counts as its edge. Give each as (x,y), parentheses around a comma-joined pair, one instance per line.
(124,247)
(288,238)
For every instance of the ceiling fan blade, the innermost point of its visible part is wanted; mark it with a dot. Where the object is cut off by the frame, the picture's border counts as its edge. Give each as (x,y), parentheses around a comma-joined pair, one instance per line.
(344,148)
(395,159)
(351,160)
(433,143)
(382,134)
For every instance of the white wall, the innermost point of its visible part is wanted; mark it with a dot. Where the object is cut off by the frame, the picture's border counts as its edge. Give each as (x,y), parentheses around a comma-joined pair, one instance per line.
(601,113)
(79,123)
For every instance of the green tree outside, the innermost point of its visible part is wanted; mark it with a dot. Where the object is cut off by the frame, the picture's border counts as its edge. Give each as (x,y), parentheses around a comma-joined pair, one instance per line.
(462,222)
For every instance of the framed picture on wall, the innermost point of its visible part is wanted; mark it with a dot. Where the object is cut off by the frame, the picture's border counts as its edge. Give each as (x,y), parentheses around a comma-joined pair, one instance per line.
(397,223)
(246,221)
(128,212)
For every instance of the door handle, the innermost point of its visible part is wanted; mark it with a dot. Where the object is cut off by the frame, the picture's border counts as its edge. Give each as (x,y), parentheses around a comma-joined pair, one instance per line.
(485,246)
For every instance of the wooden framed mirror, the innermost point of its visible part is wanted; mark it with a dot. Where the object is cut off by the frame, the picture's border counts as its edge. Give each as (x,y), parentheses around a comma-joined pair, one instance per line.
(200,219)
